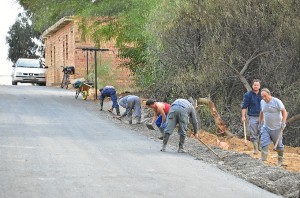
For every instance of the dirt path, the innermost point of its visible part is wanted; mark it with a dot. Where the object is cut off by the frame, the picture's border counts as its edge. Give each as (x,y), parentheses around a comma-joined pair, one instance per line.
(291,154)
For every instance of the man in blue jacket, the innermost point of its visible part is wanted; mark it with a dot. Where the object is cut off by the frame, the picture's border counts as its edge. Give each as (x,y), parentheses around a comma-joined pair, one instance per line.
(251,106)
(109,91)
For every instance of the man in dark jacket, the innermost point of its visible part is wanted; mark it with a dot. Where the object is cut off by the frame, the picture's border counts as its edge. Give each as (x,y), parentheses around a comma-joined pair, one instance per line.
(109,91)
(180,112)
(251,105)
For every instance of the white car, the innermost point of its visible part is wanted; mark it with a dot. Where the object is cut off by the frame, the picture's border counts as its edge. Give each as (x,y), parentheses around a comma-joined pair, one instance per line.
(29,71)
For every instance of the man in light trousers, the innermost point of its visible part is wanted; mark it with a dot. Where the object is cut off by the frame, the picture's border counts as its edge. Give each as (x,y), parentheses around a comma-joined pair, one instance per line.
(272,118)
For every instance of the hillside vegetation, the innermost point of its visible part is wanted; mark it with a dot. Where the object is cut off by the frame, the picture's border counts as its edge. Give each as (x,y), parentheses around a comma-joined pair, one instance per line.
(199,48)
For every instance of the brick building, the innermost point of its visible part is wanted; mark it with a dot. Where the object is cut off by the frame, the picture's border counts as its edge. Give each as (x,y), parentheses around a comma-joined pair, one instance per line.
(63,47)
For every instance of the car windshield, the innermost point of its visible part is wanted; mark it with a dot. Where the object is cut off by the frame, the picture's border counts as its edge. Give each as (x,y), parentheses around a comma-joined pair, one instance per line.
(30,63)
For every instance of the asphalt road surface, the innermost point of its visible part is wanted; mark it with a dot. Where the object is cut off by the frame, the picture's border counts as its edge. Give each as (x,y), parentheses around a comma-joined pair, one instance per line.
(52,145)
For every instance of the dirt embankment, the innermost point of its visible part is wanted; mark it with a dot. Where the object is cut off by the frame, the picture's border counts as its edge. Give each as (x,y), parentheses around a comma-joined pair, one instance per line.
(291,154)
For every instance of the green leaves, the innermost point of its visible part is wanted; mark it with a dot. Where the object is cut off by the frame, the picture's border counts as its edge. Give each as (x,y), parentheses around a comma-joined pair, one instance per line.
(179,48)
(20,39)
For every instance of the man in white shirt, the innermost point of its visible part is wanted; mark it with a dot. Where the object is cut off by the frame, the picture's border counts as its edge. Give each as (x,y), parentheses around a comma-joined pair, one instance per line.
(272,118)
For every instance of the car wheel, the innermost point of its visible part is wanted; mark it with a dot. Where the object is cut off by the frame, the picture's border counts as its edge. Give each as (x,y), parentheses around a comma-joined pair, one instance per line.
(14,82)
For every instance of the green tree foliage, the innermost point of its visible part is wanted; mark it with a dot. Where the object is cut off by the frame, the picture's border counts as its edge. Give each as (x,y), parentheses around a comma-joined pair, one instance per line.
(199,48)
(124,21)
(202,46)
(46,13)
(20,39)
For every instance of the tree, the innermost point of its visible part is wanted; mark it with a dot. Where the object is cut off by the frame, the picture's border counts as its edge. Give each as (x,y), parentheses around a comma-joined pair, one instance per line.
(198,48)
(22,40)
(122,21)
(212,48)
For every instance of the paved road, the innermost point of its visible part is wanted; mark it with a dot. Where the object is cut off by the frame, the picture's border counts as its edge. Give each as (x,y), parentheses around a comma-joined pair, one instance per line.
(52,145)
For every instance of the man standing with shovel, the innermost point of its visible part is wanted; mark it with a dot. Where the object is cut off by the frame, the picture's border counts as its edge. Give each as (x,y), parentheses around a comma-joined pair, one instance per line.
(273,117)
(251,106)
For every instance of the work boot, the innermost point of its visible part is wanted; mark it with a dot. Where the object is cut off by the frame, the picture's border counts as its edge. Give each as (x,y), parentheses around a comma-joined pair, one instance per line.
(165,141)
(138,120)
(259,145)
(280,158)
(162,133)
(118,112)
(264,153)
(101,105)
(181,142)
(255,148)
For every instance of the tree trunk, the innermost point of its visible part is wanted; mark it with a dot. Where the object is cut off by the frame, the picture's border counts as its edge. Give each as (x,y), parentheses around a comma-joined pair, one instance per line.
(222,128)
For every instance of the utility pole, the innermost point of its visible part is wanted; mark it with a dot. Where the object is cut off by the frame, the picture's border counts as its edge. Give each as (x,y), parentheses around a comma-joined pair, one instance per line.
(95,49)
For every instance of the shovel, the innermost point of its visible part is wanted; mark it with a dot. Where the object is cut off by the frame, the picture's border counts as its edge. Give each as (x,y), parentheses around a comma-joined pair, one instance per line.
(211,149)
(117,117)
(150,126)
(280,135)
(245,134)
(277,141)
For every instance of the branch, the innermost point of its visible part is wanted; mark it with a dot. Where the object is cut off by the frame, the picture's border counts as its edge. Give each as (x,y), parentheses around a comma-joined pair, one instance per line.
(222,127)
(240,74)
(250,60)
(293,119)
(241,77)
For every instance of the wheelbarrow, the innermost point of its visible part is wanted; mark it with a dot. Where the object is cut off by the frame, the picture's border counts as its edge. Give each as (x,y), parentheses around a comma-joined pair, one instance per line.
(82,88)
